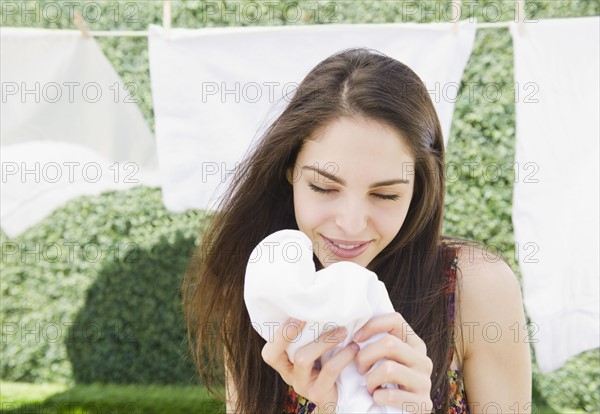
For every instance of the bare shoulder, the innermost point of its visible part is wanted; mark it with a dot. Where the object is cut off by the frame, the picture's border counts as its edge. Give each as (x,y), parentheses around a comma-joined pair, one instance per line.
(491,325)
(489,297)
(479,268)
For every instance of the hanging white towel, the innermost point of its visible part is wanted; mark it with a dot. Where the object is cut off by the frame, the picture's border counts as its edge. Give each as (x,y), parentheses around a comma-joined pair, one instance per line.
(217,89)
(68,125)
(282,282)
(555,205)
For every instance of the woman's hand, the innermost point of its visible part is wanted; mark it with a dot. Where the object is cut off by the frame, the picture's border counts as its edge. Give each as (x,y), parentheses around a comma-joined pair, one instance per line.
(405,363)
(318,386)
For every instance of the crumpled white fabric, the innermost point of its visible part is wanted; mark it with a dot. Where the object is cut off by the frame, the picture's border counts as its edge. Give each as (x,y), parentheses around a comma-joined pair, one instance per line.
(282,282)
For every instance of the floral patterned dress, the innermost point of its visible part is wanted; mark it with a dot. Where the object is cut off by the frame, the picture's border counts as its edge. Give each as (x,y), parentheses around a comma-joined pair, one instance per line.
(297,404)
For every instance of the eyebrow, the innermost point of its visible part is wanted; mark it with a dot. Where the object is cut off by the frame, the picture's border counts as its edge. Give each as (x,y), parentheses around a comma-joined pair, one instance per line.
(343,182)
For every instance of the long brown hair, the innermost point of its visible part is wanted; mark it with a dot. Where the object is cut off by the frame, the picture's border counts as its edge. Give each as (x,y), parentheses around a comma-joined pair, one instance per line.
(353,82)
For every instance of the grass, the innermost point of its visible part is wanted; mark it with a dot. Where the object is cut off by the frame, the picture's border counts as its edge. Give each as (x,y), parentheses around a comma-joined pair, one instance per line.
(24,398)
(27,398)
(543,409)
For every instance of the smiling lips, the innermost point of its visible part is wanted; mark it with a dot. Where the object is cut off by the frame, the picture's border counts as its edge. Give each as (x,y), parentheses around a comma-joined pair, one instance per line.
(346,249)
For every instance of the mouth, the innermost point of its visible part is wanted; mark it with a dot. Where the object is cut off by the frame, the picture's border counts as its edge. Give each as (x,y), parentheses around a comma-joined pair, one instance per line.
(345,249)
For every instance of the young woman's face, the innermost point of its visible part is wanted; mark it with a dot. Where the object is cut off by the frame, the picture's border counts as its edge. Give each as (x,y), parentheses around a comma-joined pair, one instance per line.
(352,188)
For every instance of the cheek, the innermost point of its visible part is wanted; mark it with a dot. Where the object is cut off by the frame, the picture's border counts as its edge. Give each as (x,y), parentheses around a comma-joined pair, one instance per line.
(389,220)
(309,213)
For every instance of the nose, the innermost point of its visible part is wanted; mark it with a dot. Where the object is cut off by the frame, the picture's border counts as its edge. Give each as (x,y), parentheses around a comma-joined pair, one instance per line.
(352,218)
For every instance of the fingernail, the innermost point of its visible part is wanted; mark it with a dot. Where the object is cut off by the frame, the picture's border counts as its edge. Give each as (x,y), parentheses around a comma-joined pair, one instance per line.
(354,346)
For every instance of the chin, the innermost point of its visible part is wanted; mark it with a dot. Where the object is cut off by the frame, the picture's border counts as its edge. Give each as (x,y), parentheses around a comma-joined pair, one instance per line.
(358,261)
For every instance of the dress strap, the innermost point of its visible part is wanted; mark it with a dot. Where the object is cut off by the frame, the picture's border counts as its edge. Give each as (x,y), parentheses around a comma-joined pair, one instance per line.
(450,265)
(450,278)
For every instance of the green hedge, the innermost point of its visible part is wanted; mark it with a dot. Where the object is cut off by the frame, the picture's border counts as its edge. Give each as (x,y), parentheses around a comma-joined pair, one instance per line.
(478,206)
(93,293)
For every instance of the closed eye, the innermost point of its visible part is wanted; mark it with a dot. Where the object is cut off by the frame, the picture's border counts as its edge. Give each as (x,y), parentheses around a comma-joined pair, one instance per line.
(319,189)
(387,196)
(380,196)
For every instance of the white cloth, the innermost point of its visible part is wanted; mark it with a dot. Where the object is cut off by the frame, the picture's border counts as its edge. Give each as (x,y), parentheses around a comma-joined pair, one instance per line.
(282,282)
(555,205)
(217,89)
(62,102)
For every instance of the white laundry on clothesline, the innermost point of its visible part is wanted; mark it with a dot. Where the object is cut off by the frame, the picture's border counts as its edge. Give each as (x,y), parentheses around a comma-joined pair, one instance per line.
(239,90)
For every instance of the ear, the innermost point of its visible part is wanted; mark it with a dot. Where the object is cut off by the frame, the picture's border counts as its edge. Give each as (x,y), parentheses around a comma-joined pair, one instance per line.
(289,175)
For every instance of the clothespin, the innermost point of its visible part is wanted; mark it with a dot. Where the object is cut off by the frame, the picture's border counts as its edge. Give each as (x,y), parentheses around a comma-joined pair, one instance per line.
(167,17)
(80,23)
(456,12)
(521,17)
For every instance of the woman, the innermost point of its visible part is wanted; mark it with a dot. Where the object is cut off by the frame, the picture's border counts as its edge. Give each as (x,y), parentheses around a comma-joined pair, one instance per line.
(356,162)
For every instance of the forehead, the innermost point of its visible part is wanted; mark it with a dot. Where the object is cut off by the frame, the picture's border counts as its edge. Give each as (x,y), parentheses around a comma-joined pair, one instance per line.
(359,145)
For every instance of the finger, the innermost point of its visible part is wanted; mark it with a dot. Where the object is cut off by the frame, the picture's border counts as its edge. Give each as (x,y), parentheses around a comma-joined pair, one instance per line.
(273,352)
(390,372)
(286,333)
(393,323)
(332,369)
(388,347)
(405,400)
(306,356)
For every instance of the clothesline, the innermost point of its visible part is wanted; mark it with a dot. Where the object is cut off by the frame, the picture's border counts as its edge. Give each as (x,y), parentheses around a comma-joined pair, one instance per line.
(144,33)
(79,22)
